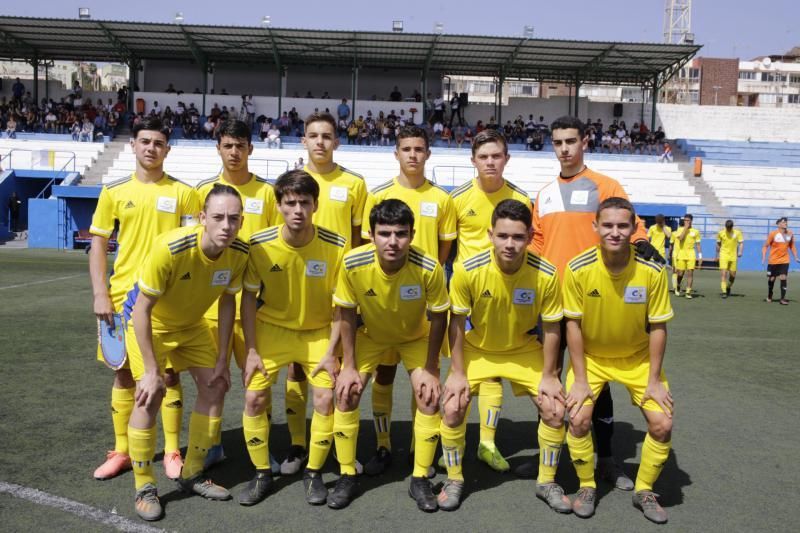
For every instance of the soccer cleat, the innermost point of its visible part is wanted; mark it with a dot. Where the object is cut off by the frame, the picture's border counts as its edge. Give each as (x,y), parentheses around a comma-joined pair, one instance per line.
(724,295)
(216,454)
(173,464)
(115,464)
(203,486)
(489,454)
(148,506)
(379,463)
(553,495)
(316,493)
(420,491)
(449,497)
(689,295)
(608,470)
(584,503)
(343,492)
(768,300)
(784,301)
(294,460)
(645,501)
(677,292)
(257,489)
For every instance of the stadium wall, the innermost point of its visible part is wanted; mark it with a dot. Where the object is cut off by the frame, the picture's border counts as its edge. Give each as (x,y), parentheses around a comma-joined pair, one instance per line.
(552,108)
(760,124)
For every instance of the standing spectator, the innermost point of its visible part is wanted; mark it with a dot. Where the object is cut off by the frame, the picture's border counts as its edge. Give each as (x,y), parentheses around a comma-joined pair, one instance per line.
(17,90)
(666,155)
(170,89)
(14,204)
(455,110)
(438,109)
(248,112)
(395,95)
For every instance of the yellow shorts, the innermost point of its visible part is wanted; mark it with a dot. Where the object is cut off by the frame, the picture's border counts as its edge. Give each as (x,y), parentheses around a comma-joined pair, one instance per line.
(369,354)
(522,368)
(236,344)
(279,346)
(632,372)
(685,264)
(188,348)
(727,262)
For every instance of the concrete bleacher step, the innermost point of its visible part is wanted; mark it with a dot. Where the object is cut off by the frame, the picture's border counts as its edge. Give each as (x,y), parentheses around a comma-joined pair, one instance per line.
(94,175)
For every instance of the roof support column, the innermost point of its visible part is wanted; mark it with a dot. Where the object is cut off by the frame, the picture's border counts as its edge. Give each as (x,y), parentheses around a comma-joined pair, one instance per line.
(35,63)
(501,82)
(133,71)
(282,73)
(204,66)
(47,80)
(425,109)
(577,93)
(653,100)
(355,92)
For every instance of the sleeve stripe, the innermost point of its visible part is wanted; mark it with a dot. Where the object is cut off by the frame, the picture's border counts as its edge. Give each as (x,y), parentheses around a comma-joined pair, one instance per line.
(553,318)
(448,236)
(661,317)
(100,232)
(149,290)
(459,310)
(343,303)
(252,288)
(233,290)
(572,314)
(439,308)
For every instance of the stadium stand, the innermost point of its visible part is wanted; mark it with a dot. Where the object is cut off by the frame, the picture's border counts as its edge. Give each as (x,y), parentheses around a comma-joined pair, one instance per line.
(742,153)
(33,152)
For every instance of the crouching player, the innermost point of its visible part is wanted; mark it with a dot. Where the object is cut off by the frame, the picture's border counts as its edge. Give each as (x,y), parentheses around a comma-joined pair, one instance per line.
(186,271)
(617,305)
(394,284)
(505,290)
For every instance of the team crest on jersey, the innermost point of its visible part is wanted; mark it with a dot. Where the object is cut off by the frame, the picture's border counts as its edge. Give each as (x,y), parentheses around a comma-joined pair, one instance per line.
(524,296)
(167,204)
(253,206)
(221,278)
(338,193)
(316,269)
(410,292)
(635,295)
(428,209)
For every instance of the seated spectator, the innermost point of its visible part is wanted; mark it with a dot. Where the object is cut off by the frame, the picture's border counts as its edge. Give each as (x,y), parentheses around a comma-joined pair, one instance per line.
(651,143)
(224,91)
(170,89)
(666,155)
(536,140)
(325,96)
(616,141)
(479,127)
(447,134)
(209,127)
(468,135)
(660,136)
(458,133)
(606,142)
(273,136)
(309,95)
(386,133)
(438,127)
(87,131)
(352,132)
(75,130)
(11,126)
(626,144)
(197,90)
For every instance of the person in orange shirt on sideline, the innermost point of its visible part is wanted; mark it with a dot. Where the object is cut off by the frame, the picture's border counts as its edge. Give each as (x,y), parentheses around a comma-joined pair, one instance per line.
(779,242)
(562,228)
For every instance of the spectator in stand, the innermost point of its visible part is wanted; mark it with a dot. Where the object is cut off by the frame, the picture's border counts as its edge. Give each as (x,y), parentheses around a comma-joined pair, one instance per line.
(508,132)
(75,130)
(100,124)
(459,133)
(273,137)
(438,109)
(309,95)
(616,142)
(17,91)
(537,140)
(651,143)
(299,164)
(395,95)
(625,144)
(438,127)
(224,91)
(170,89)
(492,124)
(343,111)
(14,205)
(455,110)
(325,96)
(210,126)
(606,142)
(11,126)
(666,155)
(660,136)
(447,135)
(479,127)
(468,136)
(87,130)
(352,132)
(284,124)
(264,126)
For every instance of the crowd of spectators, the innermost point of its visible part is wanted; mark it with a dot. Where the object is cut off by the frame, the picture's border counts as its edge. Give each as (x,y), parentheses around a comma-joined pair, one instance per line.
(618,139)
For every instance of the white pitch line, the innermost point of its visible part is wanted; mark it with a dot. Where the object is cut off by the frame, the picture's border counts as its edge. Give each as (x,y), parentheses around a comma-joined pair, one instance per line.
(40,282)
(78,509)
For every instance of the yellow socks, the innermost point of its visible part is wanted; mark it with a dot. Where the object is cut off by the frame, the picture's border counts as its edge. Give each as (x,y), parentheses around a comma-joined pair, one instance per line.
(490,403)
(426,437)
(121,409)
(142,443)
(550,441)
(256,437)
(581,449)
(724,286)
(453,441)
(202,430)
(321,439)
(296,395)
(172,417)
(654,455)
(345,432)
(382,413)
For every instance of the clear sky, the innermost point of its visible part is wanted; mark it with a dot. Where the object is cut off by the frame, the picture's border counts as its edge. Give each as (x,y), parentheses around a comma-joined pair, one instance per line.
(725,28)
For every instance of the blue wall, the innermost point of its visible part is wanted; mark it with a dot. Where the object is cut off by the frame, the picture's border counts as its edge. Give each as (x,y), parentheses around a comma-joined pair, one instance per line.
(43,227)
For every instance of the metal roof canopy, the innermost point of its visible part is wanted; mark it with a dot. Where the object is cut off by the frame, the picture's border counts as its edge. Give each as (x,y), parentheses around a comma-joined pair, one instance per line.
(553,60)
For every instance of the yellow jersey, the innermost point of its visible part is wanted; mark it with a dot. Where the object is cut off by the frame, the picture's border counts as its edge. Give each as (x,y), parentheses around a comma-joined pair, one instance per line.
(260,211)
(658,237)
(615,310)
(434,213)
(685,247)
(392,306)
(474,209)
(505,309)
(342,194)
(295,284)
(143,211)
(729,242)
(184,279)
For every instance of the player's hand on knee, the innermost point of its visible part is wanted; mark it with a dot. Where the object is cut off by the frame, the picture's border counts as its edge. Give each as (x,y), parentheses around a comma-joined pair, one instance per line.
(456,388)
(551,393)
(577,396)
(348,382)
(657,392)
(329,364)
(428,388)
(104,309)
(221,374)
(252,365)
(151,389)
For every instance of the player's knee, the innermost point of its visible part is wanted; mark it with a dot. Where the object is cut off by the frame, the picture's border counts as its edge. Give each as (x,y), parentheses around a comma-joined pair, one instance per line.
(171,378)
(323,400)
(384,374)
(123,379)
(579,425)
(214,394)
(294,372)
(255,402)
(660,428)
(452,415)
(348,403)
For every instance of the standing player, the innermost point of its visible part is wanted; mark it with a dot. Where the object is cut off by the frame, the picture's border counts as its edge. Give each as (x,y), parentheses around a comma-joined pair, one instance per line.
(562,227)
(615,280)
(779,242)
(435,230)
(234,146)
(687,253)
(474,202)
(144,205)
(394,284)
(659,234)
(185,271)
(505,290)
(292,270)
(730,245)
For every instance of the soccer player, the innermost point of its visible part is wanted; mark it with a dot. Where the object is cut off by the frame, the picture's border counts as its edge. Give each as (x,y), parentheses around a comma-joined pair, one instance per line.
(474,202)
(562,227)
(234,146)
(185,271)
(687,253)
(505,290)
(292,269)
(143,205)
(614,280)
(435,229)
(394,284)
(779,243)
(659,234)
(730,245)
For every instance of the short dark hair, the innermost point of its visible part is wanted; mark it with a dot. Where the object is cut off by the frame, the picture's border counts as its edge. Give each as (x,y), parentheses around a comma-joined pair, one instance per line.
(412,132)
(615,202)
(659,218)
(220,189)
(296,182)
(489,136)
(392,212)
(321,117)
(729,223)
(782,219)
(567,122)
(689,216)
(512,210)
(237,129)
(150,123)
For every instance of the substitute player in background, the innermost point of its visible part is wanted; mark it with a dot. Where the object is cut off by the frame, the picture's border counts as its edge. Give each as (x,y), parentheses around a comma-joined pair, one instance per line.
(730,246)
(505,290)
(143,205)
(394,284)
(562,227)
(615,280)
(184,272)
(687,254)
(234,146)
(474,202)
(659,235)
(779,243)
(435,231)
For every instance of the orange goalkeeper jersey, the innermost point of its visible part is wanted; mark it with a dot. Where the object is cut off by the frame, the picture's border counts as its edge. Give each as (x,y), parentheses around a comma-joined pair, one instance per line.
(779,245)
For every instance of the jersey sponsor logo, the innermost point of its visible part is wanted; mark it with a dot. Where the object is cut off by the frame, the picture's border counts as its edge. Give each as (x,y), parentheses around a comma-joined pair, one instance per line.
(370,292)
(579,198)
(316,269)
(428,209)
(130,205)
(276,268)
(253,206)
(635,295)
(524,296)
(486,294)
(594,293)
(472,213)
(186,276)
(338,193)
(221,278)
(167,204)
(410,292)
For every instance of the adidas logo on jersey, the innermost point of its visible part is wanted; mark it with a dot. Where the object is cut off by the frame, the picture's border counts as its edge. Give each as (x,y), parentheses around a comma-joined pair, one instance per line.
(370,292)
(255,441)
(486,294)
(186,276)
(594,293)
(129,205)
(472,213)
(276,268)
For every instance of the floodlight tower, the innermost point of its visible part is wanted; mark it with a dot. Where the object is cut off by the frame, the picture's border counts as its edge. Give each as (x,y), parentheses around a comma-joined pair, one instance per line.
(678,22)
